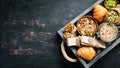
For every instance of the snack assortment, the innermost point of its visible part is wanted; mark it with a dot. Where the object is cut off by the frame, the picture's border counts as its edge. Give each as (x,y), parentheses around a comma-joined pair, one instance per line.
(87,26)
(112,16)
(91,32)
(108,32)
(110,3)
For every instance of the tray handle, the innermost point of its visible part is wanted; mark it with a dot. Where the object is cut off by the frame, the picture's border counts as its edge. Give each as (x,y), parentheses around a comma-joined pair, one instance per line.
(65,54)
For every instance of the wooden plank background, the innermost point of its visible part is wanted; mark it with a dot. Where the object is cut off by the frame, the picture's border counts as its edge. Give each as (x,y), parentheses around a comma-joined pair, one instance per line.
(28,34)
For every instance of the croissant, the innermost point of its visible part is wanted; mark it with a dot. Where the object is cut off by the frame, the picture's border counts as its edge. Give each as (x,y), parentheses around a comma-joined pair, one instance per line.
(86,53)
(99,12)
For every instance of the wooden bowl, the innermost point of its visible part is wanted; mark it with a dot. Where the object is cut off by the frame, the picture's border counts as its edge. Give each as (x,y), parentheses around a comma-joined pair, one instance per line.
(110,17)
(87,26)
(109,7)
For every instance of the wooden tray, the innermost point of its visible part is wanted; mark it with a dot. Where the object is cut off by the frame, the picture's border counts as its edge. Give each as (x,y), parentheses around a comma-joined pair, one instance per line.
(100,52)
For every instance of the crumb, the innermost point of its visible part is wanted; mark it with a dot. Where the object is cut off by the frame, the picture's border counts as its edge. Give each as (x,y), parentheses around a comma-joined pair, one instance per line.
(32,34)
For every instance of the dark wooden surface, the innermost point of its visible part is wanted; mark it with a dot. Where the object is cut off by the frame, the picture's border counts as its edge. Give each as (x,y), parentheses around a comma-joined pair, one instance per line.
(28,34)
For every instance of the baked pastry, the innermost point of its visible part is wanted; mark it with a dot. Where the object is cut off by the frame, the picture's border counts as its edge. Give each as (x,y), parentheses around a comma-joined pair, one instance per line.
(86,53)
(85,41)
(99,12)
(69,31)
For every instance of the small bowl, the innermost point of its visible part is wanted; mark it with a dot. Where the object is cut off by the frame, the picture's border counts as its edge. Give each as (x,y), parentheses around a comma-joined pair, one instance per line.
(108,32)
(87,26)
(110,16)
(109,6)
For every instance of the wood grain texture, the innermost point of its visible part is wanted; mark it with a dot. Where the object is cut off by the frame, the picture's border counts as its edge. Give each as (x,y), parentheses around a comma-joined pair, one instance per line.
(28,34)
